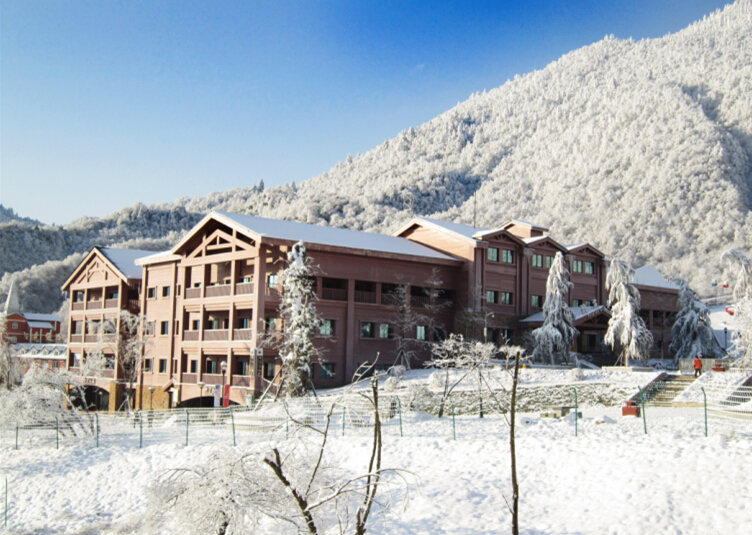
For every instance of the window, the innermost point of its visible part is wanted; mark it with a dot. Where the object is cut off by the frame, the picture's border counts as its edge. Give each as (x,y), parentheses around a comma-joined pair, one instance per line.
(14,325)
(273,281)
(243,367)
(440,334)
(165,291)
(162,365)
(151,293)
(590,268)
(385,330)
(327,328)
(537,301)
(366,329)
(150,328)
(577,266)
(164,328)
(244,323)
(491,296)
(493,254)
(326,371)
(538,260)
(588,303)
(147,365)
(420,332)
(13,339)
(112,294)
(271,324)
(212,324)
(246,279)
(506,298)
(576,302)
(549,261)
(269,371)
(78,297)
(196,325)
(507,256)
(211,366)
(194,366)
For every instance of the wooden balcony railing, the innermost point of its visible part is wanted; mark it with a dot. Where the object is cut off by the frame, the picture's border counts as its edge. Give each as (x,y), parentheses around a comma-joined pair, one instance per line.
(274,292)
(242,380)
(91,338)
(212,378)
(243,288)
(192,293)
(110,374)
(365,297)
(189,378)
(78,306)
(242,334)
(76,338)
(110,303)
(218,291)
(190,336)
(93,305)
(334,294)
(217,334)
(420,301)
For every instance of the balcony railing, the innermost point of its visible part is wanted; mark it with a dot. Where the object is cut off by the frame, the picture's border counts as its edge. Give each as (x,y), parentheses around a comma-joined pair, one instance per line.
(189,378)
(190,336)
(242,380)
(218,291)
(242,334)
(110,303)
(91,338)
(78,306)
(244,288)
(217,334)
(76,338)
(274,292)
(365,297)
(93,305)
(110,374)
(192,293)
(334,294)
(212,378)
(420,301)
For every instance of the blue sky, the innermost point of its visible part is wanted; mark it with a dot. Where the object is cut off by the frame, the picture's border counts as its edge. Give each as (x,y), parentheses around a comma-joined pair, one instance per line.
(105,103)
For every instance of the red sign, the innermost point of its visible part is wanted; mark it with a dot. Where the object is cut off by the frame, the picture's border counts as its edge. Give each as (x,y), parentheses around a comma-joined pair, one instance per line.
(227,395)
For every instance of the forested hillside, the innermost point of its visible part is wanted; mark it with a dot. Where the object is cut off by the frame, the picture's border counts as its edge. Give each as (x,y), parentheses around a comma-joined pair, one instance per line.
(642,148)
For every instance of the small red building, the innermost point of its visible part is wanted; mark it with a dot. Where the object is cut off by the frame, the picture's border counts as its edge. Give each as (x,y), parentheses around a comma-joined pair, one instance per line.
(23,327)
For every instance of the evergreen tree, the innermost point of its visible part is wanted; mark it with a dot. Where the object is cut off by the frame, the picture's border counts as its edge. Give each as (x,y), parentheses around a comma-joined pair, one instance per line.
(692,333)
(743,302)
(557,334)
(626,327)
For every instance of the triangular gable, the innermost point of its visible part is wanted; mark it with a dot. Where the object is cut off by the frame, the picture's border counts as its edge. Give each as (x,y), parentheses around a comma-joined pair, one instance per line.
(499,235)
(94,262)
(419,222)
(547,241)
(215,234)
(585,248)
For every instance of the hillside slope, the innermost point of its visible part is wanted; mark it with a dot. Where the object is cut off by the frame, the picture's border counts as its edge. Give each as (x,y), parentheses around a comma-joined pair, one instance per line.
(642,148)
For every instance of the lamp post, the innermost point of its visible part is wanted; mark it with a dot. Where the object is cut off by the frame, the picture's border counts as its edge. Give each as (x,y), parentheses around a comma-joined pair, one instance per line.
(222,395)
(201,393)
(151,390)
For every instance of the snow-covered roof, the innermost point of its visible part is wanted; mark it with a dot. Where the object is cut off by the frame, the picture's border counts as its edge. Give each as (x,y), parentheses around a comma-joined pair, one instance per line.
(468,231)
(336,237)
(161,256)
(650,276)
(125,260)
(41,317)
(40,325)
(535,239)
(579,313)
(575,246)
(52,350)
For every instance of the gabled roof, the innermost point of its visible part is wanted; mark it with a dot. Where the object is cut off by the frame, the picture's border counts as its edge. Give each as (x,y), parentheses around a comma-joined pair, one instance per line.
(650,276)
(579,246)
(521,223)
(475,235)
(122,261)
(40,325)
(261,227)
(581,314)
(41,317)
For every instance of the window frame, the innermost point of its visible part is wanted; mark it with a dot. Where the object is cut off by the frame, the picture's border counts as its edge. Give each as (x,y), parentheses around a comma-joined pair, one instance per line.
(538,299)
(164,328)
(492,254)
(537,260)
(507,298)
(386,328)
(421,333)
(151,292)
(162,366)
(367,330)
(507,256)
(576,266)
(329,330)
(165,291)
(589,268)
(549,261)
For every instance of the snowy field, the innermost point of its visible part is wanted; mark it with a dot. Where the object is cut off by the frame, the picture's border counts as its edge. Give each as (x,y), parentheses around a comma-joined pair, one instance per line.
(611,479)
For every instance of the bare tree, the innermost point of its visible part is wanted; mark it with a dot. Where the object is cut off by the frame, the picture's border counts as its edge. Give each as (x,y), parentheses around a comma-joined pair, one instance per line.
(11,370)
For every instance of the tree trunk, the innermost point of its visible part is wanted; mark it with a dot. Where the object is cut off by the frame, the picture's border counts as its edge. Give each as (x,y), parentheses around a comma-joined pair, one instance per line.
(513,455)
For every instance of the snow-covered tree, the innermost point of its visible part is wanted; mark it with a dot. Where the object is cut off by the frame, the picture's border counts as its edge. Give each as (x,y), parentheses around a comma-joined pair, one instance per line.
(626,327)
(301,320)
(738,261)
(557,334)
(10,367)
(692,333)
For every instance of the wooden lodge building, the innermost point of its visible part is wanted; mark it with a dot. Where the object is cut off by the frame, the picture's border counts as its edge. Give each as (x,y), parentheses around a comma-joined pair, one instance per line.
(211,301)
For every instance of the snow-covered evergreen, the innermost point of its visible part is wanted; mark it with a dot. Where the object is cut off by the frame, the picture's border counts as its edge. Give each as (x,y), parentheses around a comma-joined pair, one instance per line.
(557,334)
(738,261)
(692,333)
(626,327)
(300,323)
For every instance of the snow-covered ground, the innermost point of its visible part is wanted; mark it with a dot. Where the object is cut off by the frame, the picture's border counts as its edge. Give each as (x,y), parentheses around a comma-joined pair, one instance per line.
(611,479)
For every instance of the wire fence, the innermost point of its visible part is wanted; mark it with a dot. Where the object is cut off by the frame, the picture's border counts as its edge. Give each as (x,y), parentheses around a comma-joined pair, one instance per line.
(719,409)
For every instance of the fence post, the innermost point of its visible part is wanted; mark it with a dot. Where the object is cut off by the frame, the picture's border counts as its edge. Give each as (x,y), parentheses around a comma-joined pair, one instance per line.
(232,417)
(187,417)
(705,404)
(343,421)
(454,428)
(287,421)
(16,436)
(642,404)
(96,422)
(140,431)
(576,416)
(6,501)
(400,413)
(57,433)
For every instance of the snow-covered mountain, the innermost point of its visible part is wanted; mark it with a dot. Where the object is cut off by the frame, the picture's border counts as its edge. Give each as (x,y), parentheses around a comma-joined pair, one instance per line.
(642,148)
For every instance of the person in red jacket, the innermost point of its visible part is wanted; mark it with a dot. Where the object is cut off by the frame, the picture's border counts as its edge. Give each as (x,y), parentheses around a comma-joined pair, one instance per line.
(698,365)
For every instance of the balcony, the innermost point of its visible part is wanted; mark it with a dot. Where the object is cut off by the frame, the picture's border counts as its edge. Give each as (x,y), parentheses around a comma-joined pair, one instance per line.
(190,336)
(91,338)
(76,338)
(420,301)
(78,306)
(192,293)
(365,297)
(244,288)
(242,380)
(189,378)
(93,305)
(110,303)
(216,335)
(334,294)
(273,291)
(212,378)
(218,291)
(242,334)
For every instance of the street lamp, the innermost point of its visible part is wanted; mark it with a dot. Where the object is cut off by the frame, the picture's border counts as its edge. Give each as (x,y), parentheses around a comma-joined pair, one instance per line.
(201,393)
(222,396)
(151,390)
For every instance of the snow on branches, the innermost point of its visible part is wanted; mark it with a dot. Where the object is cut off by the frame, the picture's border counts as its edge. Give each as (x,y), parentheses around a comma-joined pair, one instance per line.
(743,306)
(626,327)
(692,333)
(557,334)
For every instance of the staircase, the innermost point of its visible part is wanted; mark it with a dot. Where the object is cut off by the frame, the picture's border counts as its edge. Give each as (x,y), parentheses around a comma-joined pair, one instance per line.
(662,393)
